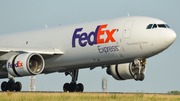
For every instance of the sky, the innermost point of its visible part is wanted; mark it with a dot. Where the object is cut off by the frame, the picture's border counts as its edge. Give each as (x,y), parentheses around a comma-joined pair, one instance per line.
(162,74)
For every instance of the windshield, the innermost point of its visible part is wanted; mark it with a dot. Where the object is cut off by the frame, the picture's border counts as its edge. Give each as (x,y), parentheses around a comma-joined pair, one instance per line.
(153,26)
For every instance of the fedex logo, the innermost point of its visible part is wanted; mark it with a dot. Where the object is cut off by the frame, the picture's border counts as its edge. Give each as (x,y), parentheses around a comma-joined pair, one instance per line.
(18,64)
(84,38)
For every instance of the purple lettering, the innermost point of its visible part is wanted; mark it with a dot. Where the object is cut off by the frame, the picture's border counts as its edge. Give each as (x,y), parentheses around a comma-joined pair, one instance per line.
(83,37)
(100,49)
(94,34)
(9,65)
(107,49)
(75,35)
(16,65)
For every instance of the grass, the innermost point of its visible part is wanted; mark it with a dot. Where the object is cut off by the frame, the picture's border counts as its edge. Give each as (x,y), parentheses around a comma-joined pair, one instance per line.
(35,96)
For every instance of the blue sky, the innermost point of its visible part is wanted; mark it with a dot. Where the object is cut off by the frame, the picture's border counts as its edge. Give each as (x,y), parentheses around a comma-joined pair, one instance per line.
(162,73)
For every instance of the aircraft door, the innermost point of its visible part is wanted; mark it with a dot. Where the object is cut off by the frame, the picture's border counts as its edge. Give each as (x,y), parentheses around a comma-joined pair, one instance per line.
(127,29)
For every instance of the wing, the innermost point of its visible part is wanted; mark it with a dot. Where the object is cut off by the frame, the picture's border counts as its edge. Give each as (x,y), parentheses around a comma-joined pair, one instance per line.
(46,51)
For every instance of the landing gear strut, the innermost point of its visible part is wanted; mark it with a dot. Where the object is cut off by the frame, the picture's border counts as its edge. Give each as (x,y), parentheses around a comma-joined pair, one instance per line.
(139,69)
(11,85)
(73,87)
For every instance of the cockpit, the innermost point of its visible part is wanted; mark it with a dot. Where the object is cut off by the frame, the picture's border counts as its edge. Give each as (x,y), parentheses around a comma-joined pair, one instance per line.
(152,26)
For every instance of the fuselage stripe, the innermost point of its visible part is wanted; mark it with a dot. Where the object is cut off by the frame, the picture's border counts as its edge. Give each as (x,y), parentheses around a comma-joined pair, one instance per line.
(130,70)
(118,72)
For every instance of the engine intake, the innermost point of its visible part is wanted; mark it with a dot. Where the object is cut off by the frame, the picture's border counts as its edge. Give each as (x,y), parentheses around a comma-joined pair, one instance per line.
(25,64)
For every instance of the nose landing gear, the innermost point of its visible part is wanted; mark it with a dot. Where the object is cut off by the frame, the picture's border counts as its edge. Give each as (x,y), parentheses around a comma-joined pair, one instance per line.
(139,69)
(138,76)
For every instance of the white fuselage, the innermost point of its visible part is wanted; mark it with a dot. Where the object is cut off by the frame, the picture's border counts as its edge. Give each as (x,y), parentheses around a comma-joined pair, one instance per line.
(117,41)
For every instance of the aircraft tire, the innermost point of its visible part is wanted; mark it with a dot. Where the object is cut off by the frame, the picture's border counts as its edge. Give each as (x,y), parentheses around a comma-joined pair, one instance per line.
(136,76)
(18,86)
(141,77)
(66,87)
(72,87)
(81,87)
(4,86)
(11,85)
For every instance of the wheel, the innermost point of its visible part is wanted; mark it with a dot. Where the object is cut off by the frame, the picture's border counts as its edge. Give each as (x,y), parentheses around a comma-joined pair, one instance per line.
(81,87)
(72,87)
(4,86)
(136,76)
(141,77)
(11,85)
(66,87)
(18,86)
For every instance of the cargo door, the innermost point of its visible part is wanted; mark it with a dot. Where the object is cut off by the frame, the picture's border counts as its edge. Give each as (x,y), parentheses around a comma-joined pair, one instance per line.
(127,29)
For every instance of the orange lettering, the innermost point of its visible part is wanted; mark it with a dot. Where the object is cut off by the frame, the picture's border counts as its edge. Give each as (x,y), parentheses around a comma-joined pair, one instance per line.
(109,36)
(100,32)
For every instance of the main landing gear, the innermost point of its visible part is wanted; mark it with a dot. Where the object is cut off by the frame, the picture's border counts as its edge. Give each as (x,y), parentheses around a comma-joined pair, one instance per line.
(139,69)
(11,85)
(73,87)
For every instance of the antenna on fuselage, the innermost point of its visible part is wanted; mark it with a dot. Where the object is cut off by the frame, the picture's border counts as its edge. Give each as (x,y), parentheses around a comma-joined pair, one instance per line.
(46,26)
(127,13)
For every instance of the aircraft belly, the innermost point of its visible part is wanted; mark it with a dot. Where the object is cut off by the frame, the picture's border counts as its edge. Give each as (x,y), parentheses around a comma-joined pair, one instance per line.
(3,74)
(96,55)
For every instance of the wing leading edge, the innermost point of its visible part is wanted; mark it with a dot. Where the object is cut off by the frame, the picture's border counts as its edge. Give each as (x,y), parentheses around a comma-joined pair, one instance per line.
(45,51)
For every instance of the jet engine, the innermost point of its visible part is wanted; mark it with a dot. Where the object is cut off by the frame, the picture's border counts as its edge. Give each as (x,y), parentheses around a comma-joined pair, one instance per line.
(25,64)
(127,71)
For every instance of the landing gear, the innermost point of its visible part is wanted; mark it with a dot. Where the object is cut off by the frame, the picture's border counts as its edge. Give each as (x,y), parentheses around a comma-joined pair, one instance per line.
(139,69)
(138,76)
(73,87)
(11,85)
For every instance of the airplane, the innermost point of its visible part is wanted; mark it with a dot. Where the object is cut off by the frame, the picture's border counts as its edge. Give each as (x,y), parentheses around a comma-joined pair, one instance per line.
(121,45)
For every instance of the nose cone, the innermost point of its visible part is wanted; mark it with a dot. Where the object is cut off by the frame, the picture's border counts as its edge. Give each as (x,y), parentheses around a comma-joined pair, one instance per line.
(170,37)
(163,40)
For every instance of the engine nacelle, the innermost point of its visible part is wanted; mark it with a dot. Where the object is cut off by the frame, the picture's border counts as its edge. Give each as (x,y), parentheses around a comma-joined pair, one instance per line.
(124,71)
(25,64)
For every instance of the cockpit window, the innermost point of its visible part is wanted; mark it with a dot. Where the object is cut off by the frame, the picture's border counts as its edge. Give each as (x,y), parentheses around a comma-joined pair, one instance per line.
(149,26)
(167,26)
(154,26)
(161,26)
